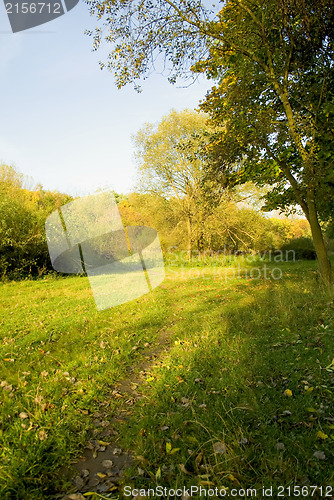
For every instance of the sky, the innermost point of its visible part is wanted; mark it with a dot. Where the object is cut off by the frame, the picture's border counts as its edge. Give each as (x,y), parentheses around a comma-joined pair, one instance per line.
(63,121)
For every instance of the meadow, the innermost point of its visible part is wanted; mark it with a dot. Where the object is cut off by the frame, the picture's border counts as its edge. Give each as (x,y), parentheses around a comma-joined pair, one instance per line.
(240,397)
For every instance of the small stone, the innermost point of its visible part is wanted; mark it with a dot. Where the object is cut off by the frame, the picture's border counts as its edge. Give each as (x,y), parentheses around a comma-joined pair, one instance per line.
(85,472)
(319,455)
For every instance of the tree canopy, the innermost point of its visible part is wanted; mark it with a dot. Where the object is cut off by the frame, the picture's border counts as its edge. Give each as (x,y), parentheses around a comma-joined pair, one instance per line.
(170,161)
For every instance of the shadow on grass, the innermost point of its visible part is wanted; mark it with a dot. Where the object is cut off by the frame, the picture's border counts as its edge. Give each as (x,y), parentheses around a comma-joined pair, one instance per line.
(248,371)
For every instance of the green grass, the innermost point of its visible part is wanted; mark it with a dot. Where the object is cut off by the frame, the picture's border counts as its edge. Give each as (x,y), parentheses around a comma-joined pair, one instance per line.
(236,346)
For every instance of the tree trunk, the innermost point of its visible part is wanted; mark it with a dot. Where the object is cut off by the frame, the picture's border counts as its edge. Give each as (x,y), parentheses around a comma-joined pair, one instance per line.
(318,241)
(189,230)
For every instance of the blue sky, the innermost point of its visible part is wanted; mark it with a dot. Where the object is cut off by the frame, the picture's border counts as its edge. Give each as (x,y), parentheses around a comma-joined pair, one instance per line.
(63,121)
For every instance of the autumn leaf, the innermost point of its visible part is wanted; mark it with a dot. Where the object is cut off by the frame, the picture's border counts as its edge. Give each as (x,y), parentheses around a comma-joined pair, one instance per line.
(42,435)
(288,393)
(219,447)
(184,470)
(107,464)
(321,435)
(101,475)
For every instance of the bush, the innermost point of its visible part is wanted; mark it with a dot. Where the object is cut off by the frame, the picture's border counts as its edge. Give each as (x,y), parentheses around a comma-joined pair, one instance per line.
(302,249)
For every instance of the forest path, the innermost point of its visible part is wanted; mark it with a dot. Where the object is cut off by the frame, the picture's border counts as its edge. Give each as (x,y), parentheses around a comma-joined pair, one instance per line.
(101,467)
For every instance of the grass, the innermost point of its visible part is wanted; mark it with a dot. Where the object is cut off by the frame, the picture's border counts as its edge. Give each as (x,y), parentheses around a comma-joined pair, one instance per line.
(244,397)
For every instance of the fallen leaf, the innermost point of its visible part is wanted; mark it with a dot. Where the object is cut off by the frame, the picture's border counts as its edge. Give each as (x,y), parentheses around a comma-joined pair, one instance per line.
(7,388)
(199,381)
(280,446)
(219,447)
(102,443)
(243,440)
(142,459)
(23,415)
(79,482)
(322,435)
(288,393)
(107,464)
(184,470)
(198,459)
(42,435)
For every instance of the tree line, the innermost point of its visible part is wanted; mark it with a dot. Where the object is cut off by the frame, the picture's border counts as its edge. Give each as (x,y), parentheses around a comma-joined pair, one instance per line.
(232,224)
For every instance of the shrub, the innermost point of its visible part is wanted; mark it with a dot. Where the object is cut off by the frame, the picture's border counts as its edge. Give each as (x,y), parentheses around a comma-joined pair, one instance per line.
(303,249)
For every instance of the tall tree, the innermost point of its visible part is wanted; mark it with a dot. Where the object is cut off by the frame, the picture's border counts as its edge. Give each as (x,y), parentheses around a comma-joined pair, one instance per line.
(273,61)
(274,66)
(170,164)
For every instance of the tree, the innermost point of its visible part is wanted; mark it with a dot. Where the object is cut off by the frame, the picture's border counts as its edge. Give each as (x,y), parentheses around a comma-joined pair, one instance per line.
(274,97)
(273,61)
(170,163)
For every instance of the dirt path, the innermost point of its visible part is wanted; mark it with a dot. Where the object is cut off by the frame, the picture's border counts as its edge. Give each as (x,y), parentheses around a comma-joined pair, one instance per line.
(101,466)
